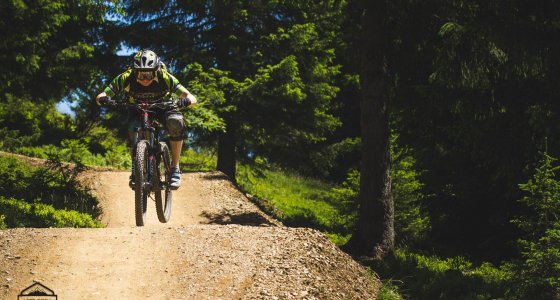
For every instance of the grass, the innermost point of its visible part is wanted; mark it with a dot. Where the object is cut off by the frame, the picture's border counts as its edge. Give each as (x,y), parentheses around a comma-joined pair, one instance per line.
(430,277)
(201,160)
(47,196)
(18,213)
(298,201)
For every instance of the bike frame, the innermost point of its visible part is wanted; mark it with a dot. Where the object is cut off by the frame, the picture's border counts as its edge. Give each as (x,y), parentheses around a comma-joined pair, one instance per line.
(149,156)
(147,132)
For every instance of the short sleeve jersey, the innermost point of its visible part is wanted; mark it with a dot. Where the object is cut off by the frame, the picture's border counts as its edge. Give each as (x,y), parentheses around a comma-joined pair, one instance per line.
(163,85)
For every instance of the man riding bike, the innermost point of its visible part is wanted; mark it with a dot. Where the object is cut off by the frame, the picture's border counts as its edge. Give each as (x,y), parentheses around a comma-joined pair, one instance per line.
(149,81)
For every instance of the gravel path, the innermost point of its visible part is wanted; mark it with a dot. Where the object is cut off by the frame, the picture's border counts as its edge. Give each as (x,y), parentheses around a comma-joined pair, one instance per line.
(217,245)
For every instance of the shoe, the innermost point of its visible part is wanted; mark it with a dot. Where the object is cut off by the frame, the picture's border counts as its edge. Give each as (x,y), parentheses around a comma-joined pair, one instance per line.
(131,182)
(175,179)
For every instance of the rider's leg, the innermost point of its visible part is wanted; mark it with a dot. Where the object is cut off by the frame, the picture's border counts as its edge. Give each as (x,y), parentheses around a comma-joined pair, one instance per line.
(132,124)
(175,124)
(176,147)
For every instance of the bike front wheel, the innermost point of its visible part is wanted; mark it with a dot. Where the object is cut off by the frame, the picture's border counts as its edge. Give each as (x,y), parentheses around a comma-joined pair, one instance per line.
(161,184)
(140,179)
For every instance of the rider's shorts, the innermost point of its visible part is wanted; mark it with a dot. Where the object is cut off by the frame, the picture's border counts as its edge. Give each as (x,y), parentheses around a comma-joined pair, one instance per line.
(173,121)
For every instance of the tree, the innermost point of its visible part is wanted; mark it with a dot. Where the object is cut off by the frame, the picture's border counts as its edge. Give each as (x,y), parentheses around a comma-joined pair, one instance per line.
(374,234)
(278,55)
(536,274)
(48,46)
(48,54)
(477,92)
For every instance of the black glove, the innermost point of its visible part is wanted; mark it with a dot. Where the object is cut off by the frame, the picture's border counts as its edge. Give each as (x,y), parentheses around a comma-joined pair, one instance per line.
(105,100)
(183,102)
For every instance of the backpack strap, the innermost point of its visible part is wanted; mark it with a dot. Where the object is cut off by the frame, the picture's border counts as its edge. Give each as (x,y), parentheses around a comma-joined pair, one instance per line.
(169,80)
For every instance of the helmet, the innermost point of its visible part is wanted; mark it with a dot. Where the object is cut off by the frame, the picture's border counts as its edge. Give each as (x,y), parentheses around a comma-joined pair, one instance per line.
(146,60)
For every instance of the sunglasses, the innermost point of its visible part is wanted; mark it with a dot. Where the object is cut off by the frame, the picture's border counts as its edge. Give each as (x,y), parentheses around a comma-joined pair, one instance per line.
(144,76)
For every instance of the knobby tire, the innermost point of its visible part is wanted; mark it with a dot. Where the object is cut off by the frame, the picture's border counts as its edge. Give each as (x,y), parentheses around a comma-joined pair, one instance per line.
(161,184)
(140,176)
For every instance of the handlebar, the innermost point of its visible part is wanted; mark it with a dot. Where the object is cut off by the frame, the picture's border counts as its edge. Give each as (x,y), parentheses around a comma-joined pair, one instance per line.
(141,105)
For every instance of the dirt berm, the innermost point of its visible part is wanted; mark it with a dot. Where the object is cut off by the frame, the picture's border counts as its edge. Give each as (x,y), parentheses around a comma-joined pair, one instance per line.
(217,245)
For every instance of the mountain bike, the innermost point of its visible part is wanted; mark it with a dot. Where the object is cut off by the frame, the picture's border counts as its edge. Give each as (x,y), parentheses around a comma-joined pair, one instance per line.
(151,163)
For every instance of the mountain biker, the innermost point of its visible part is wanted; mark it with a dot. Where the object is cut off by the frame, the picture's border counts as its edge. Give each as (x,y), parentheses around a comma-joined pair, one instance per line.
(149,81)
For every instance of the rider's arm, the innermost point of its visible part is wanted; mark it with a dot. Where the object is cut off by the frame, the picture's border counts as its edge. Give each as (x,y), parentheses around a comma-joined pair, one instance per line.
(103,94)
(188,95)
(115,87)
(177,89)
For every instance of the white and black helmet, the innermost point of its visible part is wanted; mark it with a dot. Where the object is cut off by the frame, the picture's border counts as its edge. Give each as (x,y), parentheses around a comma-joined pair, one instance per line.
(146,60)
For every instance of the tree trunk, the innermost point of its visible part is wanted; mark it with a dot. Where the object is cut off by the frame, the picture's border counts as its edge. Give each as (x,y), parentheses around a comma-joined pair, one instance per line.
(374,235)
(225,25)
(226,151)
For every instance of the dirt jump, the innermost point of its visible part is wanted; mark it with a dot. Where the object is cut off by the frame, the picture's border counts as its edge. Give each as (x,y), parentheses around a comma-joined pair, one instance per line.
(217,245)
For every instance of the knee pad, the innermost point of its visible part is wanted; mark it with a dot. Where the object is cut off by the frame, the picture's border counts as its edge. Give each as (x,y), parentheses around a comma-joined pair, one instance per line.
(175,124)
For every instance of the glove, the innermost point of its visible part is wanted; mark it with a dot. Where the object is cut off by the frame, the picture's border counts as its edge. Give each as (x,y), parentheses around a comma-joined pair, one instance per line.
(104,100)
(183,102)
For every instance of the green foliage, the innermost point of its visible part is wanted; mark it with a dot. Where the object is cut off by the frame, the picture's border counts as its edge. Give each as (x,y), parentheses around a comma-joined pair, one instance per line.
(537,273)
(19,213)
(347,194)
(389,291)
(198,160)
(22,122)
(37,129)
(481,97)
(48,46)
(210,88)
(473,89)
(543,197)
(337,159)
(412,223)
(265,69)
(299,201)
(431,277)
(56,186)
(3,222)
(110,151)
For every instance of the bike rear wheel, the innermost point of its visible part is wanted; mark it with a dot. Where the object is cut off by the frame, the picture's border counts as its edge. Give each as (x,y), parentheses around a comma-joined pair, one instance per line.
(161,184)
(140,178)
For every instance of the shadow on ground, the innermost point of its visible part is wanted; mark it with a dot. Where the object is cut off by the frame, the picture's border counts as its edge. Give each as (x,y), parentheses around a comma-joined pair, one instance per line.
(216,176)
(245,219)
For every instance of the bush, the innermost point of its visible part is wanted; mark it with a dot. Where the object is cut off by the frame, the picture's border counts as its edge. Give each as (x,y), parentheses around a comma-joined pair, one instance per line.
(411,221)
(299,201)
(3,222)
(55,187)
(19,213)
(389,291)
(78,151)
(431,277)
(537,273)
(198,160)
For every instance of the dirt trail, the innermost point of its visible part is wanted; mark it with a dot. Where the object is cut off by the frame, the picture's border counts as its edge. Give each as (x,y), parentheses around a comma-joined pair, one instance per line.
(217,245)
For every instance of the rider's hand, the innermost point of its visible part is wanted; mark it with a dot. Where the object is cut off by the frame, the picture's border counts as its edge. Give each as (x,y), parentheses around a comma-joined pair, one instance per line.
(104,100)
(183,102)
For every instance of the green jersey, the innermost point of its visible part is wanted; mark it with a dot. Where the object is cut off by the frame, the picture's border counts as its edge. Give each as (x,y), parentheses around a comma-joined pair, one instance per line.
(163,86)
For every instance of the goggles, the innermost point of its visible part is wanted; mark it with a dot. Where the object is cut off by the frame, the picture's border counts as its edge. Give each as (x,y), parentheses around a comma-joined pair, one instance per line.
(145,76)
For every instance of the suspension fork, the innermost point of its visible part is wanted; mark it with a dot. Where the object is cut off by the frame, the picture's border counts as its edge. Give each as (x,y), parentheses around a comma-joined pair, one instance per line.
(148,132)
